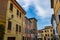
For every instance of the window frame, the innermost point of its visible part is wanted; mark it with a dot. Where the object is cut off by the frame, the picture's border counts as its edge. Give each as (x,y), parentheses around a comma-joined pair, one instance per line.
(11,6)
(9,25)
(20,14)
(59,14)
(17,12)
(19,28)
(16,27)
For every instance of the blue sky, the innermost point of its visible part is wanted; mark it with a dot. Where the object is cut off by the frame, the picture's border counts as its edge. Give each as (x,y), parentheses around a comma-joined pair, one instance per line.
(39,9)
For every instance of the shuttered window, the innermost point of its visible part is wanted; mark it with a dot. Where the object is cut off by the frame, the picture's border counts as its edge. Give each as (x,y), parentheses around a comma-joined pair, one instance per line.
(9,25)
(19,28)
(11,6)
(16,27)
(17,12)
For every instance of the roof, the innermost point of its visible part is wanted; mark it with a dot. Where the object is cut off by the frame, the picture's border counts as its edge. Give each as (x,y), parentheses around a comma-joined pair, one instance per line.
(40,31)
(33,18)
(27,19)
(18,5)
(48,27)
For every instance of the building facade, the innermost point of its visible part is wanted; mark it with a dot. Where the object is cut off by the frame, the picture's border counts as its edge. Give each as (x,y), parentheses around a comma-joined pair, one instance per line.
(27,33)
(55,4)
(30,29)
(33,28)
(46,33)
(40,35)
(55,31)
(12,17)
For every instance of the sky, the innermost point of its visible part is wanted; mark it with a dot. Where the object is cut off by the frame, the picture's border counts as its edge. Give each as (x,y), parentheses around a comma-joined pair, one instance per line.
(39,9)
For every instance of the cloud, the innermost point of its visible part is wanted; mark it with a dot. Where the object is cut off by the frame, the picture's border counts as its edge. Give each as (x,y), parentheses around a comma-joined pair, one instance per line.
(40,6)
(42,10)
(25,3)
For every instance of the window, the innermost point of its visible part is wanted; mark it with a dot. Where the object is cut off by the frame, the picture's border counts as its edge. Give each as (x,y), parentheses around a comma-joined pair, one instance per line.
(59,14)
(26,22)
(11,6)
(56,30)
(11,38)
(12,16)
(45,34)
(51,30)
(26,30)
(48,35)
(17,27)
(51,38)
(44,38)
(59,17)
(45,30)
(23,38)
(48,38)
(51,35)
(42,31)
(20,14)
(59,36)
(9,25)
(17,12)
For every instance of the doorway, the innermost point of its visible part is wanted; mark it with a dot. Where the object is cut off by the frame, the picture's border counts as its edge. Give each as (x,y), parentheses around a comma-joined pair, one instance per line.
(11,38)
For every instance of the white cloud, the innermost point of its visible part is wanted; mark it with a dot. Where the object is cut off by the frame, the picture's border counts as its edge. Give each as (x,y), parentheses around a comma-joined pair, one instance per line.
(26,3)
(42,8)
(39,7)
(40,12)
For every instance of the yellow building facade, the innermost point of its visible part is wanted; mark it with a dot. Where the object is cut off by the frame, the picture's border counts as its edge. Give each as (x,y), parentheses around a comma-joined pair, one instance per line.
(46,33)
(55,4)
(13,17)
